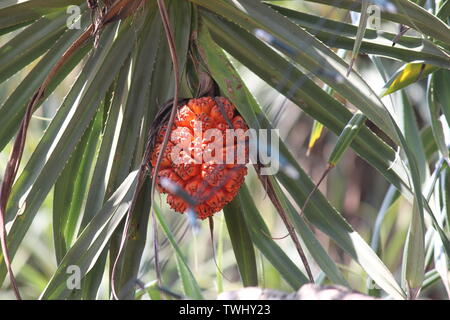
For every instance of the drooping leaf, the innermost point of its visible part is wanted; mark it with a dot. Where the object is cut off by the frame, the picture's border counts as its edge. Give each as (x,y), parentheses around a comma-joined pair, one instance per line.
(401,11)
(242,243)
(70,189)
(319,212)
(190,285)
(88,247)
(259,234)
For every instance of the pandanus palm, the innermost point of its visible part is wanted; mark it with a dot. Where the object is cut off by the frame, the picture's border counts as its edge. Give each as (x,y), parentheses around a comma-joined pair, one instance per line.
(135,63)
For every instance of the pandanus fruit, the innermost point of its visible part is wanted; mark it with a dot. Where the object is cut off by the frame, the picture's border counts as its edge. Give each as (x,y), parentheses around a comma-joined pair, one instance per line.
(203,166)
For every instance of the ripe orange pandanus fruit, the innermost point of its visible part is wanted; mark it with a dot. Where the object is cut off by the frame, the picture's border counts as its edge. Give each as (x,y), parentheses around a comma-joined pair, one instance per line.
(201,177)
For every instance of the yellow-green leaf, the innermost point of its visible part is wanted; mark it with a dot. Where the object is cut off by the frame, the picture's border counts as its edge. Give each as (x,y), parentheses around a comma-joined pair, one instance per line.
(407,75)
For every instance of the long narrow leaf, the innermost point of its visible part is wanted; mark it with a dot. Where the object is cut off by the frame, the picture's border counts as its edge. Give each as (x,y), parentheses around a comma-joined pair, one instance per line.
(88,247)
(319,211)
(190,285)
(242,244)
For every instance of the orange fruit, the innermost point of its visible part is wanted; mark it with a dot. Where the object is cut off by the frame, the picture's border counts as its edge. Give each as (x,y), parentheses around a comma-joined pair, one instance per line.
(194,169)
